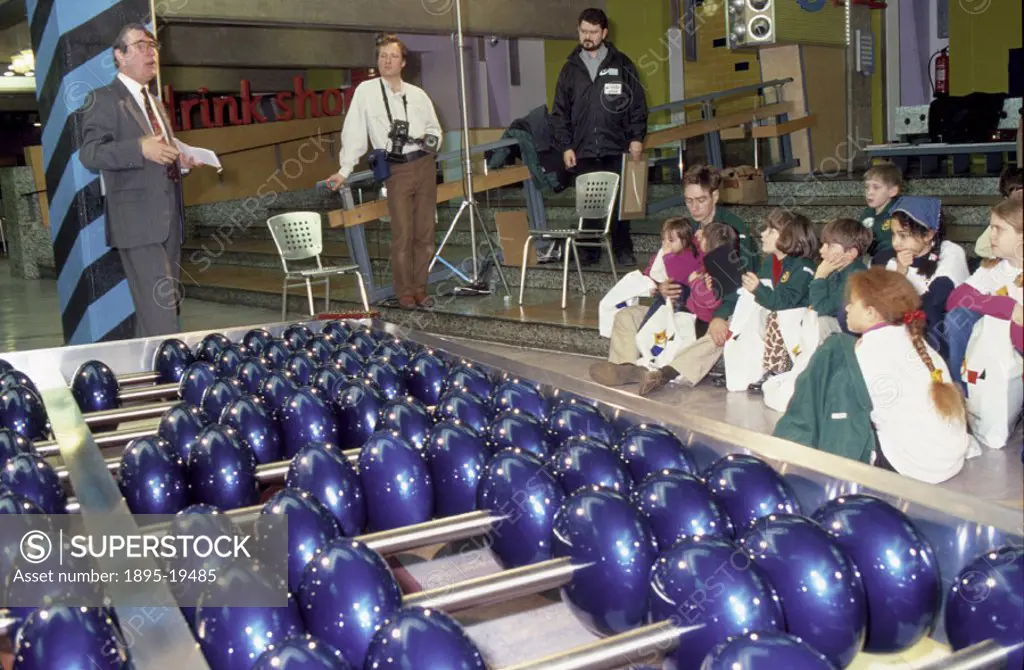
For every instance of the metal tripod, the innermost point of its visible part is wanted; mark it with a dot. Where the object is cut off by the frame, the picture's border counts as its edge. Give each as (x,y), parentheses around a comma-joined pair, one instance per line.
(475,284)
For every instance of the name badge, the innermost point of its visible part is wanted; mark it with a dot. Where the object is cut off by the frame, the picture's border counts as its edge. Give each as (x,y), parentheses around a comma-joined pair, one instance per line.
(610,71)
(838,415)
(613,89)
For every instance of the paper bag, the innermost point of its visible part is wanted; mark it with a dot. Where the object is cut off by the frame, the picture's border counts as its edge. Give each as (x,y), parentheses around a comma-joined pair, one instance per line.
(744,350)
(625,293)
(992,371)
(513,229)
(633,189)
(663,335)
(778,390)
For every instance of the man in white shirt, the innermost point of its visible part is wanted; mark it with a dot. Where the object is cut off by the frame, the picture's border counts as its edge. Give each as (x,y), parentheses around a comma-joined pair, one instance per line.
(378,107)
(127,137)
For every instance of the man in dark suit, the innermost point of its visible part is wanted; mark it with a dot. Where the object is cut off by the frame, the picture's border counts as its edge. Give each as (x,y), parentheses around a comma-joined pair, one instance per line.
(128,138)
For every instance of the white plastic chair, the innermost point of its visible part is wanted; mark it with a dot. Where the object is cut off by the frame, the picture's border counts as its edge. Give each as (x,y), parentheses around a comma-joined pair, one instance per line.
(595,199)
(299,237)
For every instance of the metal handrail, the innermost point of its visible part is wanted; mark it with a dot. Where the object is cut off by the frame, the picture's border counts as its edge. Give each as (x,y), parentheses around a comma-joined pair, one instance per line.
(709,97)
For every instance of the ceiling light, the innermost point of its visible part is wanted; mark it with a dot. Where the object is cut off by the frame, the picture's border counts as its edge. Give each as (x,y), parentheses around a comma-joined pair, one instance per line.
(37,124)
(23,62)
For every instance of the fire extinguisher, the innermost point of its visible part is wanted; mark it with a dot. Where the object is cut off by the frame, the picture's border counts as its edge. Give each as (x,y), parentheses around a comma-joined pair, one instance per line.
(942,72)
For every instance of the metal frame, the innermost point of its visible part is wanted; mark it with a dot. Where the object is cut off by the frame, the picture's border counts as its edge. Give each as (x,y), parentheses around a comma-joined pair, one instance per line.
(3,236)
(958,526)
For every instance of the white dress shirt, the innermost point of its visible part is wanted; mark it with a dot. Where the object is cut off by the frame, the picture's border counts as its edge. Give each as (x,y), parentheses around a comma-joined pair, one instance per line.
(367,117)
(135,88)
(914,437)
(952,264)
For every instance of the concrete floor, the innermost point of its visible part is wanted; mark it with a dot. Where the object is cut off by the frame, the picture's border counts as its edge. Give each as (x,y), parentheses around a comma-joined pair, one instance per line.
(29,320)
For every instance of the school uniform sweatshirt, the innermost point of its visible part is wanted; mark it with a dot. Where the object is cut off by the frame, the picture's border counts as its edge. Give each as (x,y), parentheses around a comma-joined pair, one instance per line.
(791,279)
(828,295)
(880,224)
(992,291)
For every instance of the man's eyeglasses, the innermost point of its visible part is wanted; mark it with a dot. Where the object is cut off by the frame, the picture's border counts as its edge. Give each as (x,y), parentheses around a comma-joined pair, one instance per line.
(144,45)
(703,200)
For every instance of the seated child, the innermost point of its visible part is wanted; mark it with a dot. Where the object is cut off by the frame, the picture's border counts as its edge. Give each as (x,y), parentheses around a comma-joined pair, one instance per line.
(678,255)
(933,265)
(985,331)
(843,243)
(1010,181)
(678,258)
(701,184)
(886,398)
(882,187)
(789,242)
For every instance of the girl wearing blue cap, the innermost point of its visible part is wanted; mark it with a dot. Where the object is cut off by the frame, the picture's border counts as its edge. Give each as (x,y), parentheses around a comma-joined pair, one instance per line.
(935,266)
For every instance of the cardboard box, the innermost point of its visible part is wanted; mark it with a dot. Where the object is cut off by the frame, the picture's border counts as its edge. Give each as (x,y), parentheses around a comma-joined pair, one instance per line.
(633,188)
(513,229)
(744,185)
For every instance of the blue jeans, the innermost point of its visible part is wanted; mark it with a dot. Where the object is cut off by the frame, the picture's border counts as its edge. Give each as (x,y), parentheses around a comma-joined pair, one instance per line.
(958,326)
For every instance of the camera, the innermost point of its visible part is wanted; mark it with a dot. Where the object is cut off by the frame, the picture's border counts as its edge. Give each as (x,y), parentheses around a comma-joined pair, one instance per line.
(399,136)
(430,143)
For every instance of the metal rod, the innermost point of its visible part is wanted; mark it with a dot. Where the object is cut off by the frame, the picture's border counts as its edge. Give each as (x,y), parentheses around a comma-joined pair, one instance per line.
(467,161)
(117,438)
(496,588)
(651,643)
(137,378)
(158,392)
(439,531)
(126,414)
(981,656)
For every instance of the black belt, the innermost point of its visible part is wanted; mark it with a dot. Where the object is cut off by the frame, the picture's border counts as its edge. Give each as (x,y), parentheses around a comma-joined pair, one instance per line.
(407,158)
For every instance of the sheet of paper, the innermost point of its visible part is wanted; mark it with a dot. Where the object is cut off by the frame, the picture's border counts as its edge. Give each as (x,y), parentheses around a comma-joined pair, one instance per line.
(200,155)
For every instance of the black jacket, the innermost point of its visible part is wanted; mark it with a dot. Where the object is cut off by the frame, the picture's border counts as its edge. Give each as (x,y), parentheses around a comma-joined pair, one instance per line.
(601,117)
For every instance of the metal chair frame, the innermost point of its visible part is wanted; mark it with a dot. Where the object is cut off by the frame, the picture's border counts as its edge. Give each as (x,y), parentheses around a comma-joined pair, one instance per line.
(299,237)
(595,199)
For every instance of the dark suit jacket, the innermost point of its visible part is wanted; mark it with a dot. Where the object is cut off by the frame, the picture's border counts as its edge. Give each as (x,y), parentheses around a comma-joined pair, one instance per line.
(142,205)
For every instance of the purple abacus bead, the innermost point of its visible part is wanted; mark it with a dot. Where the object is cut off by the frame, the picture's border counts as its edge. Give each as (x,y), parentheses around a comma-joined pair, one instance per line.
(897,565)
(302,653)
(514,429)
(251,373)
(70,638)
(222,470)
(467,377)
(601,530)
(572,418)
(456,456)
(233,638)
(678,505)
(363,340)
(171,360)
(338,331)
(30,476)
(320,348)
(210,347)
(357,404)
(277,387)
(425,377)
(648,449)
(395,353)
(307,417)
(152,477)
(296,335)
(521,395)
(256,340)
(197,378)
(256,427)
(987,602)
(465,407)
(301,365)
(409,417)
(517,485)
(326,473)
(386,377)
(180,427)
(347,592)
(820,589)
(397,483)
(416,637)
(310,527)
(349,360)
(275,354)
(583,462)
(95,387)
(766,650)
(229,360)
(219,395)
(22,411)
(711,584)
(748,489)
(12,444)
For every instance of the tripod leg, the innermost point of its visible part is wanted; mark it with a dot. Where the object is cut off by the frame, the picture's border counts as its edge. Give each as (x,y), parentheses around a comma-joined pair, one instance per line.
(569,247)
(492,251)
(522,274)
(448,234)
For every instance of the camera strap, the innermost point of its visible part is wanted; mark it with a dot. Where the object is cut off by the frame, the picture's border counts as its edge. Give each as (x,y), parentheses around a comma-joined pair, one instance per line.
(387,107)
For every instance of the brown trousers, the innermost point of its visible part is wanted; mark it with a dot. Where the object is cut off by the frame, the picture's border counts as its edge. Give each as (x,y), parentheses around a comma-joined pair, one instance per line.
(412,205)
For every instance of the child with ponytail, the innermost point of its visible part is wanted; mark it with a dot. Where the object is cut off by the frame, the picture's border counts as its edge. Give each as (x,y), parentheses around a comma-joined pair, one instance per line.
(886,398)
